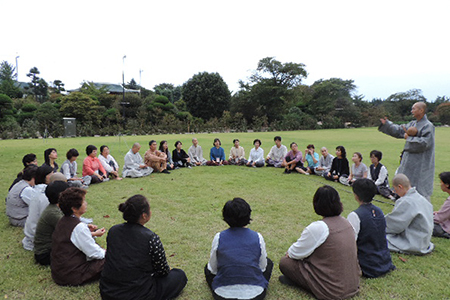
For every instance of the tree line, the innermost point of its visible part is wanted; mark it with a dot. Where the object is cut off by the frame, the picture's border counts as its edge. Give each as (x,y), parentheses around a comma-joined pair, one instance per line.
(272,98)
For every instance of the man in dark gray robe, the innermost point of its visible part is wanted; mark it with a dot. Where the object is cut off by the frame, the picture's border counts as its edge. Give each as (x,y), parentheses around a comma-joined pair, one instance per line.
(418,154)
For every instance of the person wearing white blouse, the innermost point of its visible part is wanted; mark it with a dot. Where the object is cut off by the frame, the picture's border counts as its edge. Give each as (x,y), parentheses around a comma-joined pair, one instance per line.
(323,261)
(109,163)
(256,158)
(75,258)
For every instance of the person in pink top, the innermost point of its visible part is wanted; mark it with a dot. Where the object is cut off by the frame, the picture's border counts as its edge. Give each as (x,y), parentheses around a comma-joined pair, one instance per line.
(293,160)
(93,167)
(441,218)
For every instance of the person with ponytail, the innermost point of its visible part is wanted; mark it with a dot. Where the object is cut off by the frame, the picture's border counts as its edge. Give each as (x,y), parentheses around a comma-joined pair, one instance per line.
(136,265)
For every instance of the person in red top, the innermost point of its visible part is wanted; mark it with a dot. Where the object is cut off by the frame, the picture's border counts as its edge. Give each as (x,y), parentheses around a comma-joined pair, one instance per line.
(93,167)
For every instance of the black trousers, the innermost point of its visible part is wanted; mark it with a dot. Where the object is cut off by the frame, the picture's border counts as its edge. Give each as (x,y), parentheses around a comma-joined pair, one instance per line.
(170,286)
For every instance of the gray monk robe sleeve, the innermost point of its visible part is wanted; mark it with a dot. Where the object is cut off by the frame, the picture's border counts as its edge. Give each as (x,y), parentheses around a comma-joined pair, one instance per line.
(418,156)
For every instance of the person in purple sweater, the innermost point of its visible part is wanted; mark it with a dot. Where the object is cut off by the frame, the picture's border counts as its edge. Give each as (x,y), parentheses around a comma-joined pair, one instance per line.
(441,218)
(293,160)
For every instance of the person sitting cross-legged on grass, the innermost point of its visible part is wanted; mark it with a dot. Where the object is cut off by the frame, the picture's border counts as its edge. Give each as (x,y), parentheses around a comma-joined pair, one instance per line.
(370,231)
(357,171)
(38,202)
(293,160)
(75,258)
(217,155)
(92,167)
(339,167)
(238,267)
(410,224)
(164,147)
(312,158)
(379,174)
(69,169)
(324,259)
(180,158)
(136,265)
(276,154)
(195,153)
(441,218)
(325,162)
(47,223)
(256,157)
(109,163)
(156,159)
(134,165)
(18,199)
(237,154)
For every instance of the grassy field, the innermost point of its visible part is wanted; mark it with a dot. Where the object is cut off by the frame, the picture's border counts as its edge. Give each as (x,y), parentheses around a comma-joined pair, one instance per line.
(186,211)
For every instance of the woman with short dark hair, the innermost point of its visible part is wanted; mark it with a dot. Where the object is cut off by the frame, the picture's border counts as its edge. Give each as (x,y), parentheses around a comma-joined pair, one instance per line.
(136,265)
(238,265)
(324,260)
(217,154)
(37,203)
(75,257)
(69,169)
(93,167)
(339,167)
(256,157)
(180,157)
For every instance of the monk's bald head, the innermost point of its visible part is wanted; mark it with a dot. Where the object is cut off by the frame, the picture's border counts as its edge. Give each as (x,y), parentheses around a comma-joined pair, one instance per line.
(136,147)
(419,109)
(421,105)
(401,180)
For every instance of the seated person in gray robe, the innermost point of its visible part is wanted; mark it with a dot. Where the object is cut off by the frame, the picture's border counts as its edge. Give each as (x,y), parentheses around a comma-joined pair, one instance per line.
(195,153)
(134,164)
(410,224)
(325,162)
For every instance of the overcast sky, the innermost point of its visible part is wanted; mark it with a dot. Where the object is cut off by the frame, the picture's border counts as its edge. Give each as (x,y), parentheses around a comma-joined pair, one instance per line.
(384,46)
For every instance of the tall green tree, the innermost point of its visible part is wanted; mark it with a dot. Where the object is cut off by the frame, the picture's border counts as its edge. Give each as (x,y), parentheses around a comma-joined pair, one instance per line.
(8,83)
(332,98)
(38,86)
(173,93)
(206,95)
(48,117)
(58,86)
(269,91)
(6,106)
(399,104)
(79,106)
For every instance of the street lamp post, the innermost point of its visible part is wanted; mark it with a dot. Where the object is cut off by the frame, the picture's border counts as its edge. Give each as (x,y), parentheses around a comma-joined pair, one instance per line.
(17,68)
(123,90)
(140,85)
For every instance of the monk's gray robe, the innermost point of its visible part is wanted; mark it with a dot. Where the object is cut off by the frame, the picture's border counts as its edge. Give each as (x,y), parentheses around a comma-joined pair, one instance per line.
(418,156)
(410,224)
(196,155)
(131,166)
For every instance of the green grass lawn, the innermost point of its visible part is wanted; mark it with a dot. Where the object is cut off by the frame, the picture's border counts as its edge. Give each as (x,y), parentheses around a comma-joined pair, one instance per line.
(186,211)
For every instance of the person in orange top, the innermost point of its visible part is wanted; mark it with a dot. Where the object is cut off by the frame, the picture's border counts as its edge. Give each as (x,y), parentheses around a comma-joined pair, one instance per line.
(93,167)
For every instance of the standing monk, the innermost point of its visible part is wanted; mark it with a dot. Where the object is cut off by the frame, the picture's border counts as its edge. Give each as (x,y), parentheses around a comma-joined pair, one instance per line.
(418,154)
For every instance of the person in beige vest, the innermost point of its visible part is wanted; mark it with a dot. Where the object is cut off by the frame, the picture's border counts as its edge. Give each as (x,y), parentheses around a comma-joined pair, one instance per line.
(323,261)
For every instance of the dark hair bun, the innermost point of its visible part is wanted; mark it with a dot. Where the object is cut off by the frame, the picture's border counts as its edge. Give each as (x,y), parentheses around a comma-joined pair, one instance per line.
(123,206)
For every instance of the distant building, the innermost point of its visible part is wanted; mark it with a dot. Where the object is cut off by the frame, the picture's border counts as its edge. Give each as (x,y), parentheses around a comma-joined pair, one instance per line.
(112,88)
